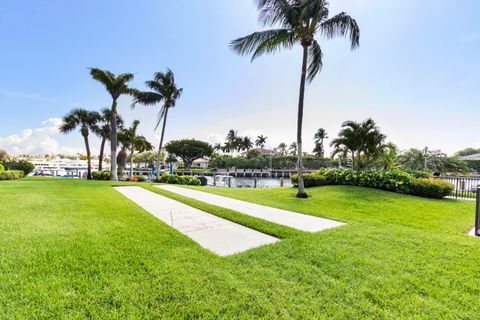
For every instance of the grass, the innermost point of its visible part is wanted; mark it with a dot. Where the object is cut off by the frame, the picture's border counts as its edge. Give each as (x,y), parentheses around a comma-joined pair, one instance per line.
(78,249)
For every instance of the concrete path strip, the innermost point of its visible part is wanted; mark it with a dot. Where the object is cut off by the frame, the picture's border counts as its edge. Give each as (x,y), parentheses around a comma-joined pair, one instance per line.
(287,218)
(211,232)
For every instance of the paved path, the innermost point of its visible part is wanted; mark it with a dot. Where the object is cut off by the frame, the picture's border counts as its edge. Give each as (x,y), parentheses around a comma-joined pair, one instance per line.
(211,232)
(288,218)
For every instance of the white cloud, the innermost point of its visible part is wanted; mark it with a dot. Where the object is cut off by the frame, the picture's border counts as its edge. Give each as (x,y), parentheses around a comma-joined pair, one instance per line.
(37,141)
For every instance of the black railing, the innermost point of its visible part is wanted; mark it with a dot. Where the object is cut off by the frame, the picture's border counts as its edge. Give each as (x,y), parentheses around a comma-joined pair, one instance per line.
(464,187)
(477,214)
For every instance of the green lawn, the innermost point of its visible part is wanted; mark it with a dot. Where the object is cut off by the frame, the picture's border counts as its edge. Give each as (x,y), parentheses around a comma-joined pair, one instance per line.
(78,249)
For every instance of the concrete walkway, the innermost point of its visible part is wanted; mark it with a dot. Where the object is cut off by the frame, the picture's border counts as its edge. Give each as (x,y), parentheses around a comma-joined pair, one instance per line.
(287,218)
(211,232)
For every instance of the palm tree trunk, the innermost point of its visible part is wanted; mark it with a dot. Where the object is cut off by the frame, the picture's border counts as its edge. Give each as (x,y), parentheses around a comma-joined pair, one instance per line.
(131,162)
(100,157)
(161,143)
(89,162)
(301,187)
(113,142)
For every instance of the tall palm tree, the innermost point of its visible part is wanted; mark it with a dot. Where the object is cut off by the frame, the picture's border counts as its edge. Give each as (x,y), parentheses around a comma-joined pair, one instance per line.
(319,138)
(104,131)
(261,140)
(282,147)
(164,89)
(116,85)
(87,121)
(293,148)
(298,22)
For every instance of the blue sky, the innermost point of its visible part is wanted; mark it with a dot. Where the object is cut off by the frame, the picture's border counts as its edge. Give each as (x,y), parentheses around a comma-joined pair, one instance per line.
(416,72)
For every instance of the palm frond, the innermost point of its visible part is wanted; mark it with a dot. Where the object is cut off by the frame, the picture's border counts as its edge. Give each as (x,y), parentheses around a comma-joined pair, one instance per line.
(315,57)
(147,98)
(262,42)
(281,12)
(105,77)
(341,25)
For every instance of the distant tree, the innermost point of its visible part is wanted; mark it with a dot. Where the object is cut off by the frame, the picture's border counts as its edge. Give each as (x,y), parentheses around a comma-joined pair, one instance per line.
(363,141)
(232,141)
(293,148)
(218,147)
(282,148)
(164,89)
(116,86)
(319,138)
(189,150)
(87,121)
(104,131)
(389,156)
(467,152)
(246,144)
(298,22)
(431,160)
(261,140)
(133,142)
(4,155)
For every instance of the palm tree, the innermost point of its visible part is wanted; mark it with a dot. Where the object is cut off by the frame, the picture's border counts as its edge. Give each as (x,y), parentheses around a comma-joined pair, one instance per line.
(116,86)
(87,121)
(133,142)
(293,148)
(164,89)
(261,140)
(104,131)
(362,141)
(282,147)
(319,137)
(246,143)
(298,21)
(218,147)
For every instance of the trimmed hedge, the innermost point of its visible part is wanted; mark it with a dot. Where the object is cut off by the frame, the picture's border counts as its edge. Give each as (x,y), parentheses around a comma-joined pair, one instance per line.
(11,174)
(429,188)
(101,175)
(394,180)
(174,179)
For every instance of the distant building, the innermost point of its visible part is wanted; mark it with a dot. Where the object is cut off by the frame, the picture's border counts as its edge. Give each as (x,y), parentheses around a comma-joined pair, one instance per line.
(200,163)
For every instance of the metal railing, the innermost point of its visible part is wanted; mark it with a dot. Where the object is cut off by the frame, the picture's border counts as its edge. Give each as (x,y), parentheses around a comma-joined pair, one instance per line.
(477,214)
(464,187)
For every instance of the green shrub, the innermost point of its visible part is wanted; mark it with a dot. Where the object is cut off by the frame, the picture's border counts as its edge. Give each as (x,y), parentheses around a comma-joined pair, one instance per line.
(394,180)
(313,179)
(174,179)
(22,165)
(429,188)
(419,173)
(11,175)
(101,175)
(2,168)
